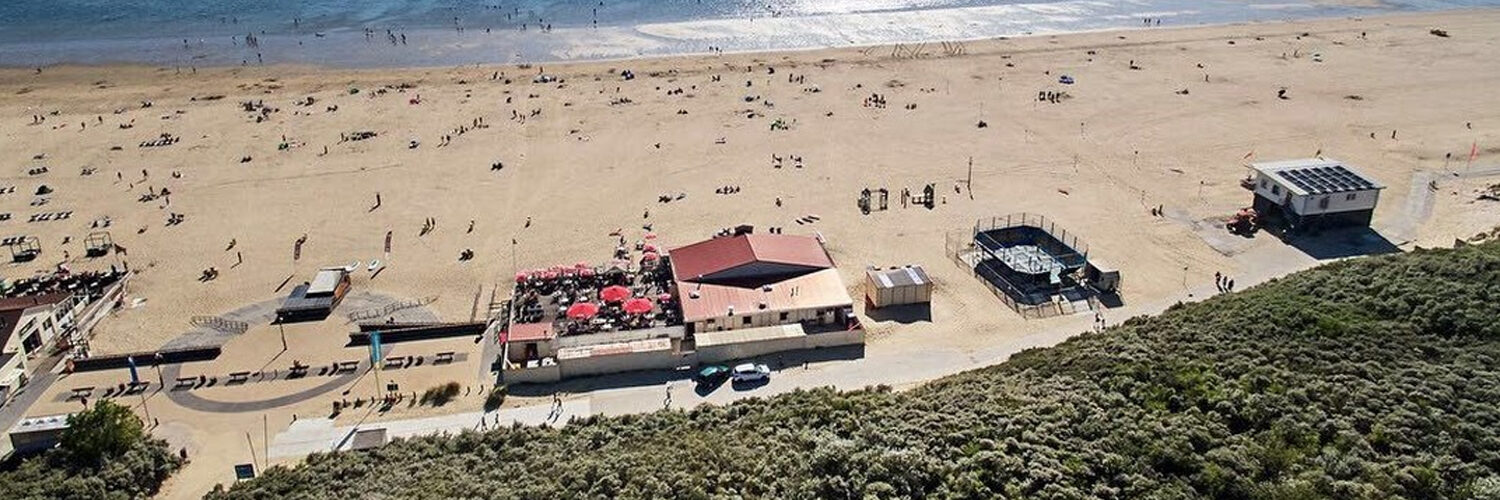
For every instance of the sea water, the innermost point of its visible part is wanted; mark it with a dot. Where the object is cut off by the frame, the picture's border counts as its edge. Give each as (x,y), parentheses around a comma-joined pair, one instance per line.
(367,33)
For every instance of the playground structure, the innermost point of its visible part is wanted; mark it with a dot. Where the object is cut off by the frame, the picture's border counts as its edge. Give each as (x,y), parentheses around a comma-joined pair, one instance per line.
(1035,267)
(928,197)
(26,249)
(868,202)
(98,244)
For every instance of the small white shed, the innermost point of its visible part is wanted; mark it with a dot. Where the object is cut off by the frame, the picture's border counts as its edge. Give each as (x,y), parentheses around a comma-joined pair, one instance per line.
(897,286)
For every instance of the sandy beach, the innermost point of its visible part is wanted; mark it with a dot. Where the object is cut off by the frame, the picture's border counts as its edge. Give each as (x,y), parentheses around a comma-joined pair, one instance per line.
(546,171)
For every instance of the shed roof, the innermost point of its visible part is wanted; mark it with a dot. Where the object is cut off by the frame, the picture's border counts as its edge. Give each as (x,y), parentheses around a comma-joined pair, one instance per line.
(900,277)
(708,339)
(818,290)
(706,258)
(634,346)
(1316,176)
(326,281)
(41,423)
(30,301)
(530,332)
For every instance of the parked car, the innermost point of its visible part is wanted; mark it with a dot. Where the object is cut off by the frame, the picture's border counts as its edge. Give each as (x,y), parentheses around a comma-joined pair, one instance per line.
(712,374)
(750,371)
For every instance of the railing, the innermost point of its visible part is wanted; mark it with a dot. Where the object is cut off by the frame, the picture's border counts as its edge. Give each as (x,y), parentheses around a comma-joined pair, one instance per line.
(1033,220)
(959,244)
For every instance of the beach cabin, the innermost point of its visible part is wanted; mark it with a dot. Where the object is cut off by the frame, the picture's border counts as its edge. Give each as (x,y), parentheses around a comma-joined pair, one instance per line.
(897,286)
(1313,193)
(315,300)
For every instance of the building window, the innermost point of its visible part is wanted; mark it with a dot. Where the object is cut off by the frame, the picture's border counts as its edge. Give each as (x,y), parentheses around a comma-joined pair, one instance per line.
(746,321)
(785,315)
(1264,183)
(1275,189)
(710,321)
(1351,196)
(1323,203)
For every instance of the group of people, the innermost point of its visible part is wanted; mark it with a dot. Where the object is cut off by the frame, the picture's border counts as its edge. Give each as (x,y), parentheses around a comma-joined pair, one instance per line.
(1224,283)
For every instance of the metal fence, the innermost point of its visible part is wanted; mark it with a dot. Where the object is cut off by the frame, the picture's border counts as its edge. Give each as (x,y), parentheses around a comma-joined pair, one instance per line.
(1024,219)
(960,247)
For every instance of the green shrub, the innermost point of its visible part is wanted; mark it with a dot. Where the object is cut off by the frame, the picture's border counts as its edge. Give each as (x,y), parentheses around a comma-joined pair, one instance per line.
(1371,378)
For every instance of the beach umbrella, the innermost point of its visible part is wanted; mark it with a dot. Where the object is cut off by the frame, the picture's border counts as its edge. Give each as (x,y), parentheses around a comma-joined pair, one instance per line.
(666,297)
(649,248)
(639,306)
(521,277)
(583,310)
(586,272)
(614,293)
(650,236)
(649,256)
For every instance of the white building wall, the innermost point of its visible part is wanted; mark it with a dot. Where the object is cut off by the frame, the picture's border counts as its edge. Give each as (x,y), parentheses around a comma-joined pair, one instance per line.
(1270,188)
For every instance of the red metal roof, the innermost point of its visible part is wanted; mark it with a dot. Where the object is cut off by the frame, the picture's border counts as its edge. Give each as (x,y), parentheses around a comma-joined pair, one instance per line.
(720,254)
(530,332)
(29,301)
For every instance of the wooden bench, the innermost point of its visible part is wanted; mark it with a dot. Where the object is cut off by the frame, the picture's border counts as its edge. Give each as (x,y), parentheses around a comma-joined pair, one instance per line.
(345,367)
(185,383)
(238,378)
(81,392)
(443,358)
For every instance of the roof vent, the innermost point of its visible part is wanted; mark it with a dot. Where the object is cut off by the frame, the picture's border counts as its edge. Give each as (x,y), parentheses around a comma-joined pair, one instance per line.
(763,305)
(693,294)
(766,288)
(731,310)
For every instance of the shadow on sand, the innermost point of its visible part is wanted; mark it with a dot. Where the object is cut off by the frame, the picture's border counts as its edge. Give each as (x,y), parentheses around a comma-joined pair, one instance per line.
(906,314)
(1341,243)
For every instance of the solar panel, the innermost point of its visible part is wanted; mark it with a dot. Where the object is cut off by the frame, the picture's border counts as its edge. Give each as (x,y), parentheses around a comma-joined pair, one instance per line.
(1326,179)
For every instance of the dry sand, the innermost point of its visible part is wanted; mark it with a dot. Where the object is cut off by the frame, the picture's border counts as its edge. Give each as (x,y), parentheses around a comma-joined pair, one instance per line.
(1095,162)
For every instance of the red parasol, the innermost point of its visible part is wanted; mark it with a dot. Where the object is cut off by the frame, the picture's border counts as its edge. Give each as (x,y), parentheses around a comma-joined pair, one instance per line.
(521,277)
(586,272)
(639,306)
(649,256)
(583,310)
(649,248)
(614,293)
(666,297)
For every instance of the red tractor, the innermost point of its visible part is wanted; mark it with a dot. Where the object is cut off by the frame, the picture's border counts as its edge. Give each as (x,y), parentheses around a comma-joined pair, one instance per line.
(1244,223)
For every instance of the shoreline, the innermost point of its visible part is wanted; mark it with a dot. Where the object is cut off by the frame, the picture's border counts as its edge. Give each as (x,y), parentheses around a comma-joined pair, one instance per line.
(351,48)
(1141,157)
(304,68)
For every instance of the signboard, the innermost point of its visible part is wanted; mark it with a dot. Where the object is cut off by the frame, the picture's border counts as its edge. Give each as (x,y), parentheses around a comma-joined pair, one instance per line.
(244,471)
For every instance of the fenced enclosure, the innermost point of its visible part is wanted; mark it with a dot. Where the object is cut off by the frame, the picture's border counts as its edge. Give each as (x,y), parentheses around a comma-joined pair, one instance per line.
(1026,261)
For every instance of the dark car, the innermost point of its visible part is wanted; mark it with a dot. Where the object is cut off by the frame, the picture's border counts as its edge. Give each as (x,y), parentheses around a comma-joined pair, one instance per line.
(712,374)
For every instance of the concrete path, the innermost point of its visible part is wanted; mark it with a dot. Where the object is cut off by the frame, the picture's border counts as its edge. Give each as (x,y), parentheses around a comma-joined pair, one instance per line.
(310,435)
(45,374)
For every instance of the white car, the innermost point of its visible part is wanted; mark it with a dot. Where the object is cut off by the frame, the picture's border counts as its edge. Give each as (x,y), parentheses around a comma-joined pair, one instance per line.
(750,371)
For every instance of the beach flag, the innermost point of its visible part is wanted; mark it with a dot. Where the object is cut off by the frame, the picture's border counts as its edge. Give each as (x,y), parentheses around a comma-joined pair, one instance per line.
(387,242)
(135,377)
(375,353)
(1473,152)
(297,250)
(1248,155)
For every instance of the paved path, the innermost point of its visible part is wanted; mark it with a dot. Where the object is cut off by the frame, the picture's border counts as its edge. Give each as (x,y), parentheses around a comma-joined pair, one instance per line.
(310,435)
(15,409)
(186,399)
